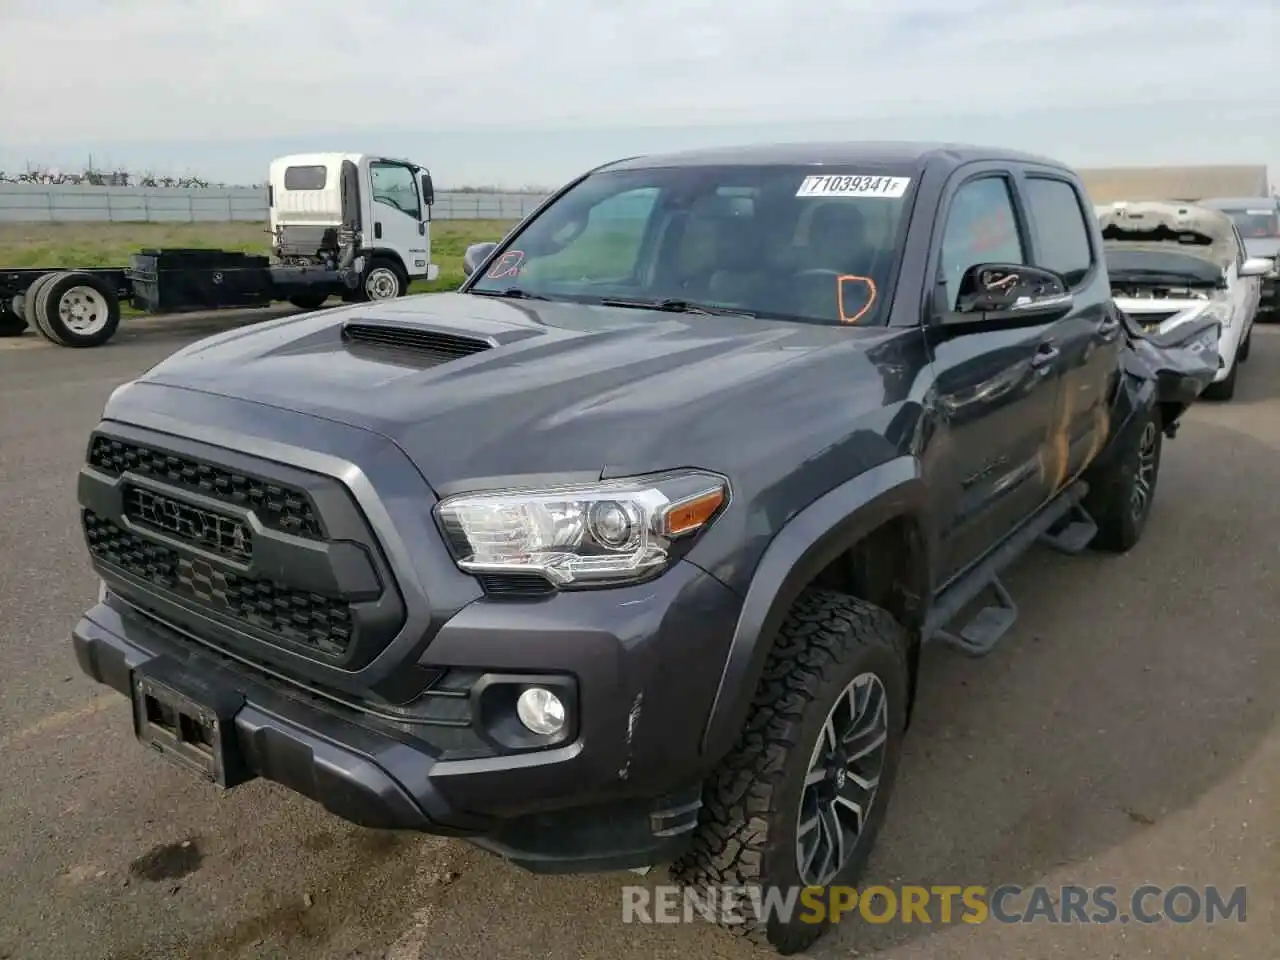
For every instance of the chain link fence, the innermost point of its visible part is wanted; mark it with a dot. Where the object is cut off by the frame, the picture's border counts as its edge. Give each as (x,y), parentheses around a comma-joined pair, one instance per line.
(73,203)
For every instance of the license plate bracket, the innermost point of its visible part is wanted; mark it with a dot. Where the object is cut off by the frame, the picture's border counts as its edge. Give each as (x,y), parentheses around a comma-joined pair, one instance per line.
(190,721)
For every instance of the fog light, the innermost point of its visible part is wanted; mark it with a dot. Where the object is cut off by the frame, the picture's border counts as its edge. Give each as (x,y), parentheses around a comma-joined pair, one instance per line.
(541,711)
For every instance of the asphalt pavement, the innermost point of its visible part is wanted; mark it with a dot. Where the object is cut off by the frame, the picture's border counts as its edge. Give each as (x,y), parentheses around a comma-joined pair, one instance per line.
(1126,733)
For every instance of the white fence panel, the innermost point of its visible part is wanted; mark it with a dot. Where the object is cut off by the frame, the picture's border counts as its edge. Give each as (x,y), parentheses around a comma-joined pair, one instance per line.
(73,203)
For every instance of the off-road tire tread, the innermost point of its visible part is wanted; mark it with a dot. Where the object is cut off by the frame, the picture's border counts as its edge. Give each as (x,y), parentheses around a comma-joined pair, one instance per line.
(821,632)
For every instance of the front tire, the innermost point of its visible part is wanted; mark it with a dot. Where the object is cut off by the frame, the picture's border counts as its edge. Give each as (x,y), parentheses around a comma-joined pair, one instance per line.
(824,735)
(383,279)
(1225,388)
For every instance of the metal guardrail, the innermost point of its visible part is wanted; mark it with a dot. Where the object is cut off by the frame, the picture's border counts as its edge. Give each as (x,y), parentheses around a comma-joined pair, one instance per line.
(45,203)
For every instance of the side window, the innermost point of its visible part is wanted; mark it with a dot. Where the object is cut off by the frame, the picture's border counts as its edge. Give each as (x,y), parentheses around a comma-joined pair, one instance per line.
(1062,236)
(395,185)
(305,178)
(605,245)
(981,228)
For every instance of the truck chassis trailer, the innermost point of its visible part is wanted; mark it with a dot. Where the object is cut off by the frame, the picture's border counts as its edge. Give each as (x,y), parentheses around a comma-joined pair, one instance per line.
(80,307)
(352,225)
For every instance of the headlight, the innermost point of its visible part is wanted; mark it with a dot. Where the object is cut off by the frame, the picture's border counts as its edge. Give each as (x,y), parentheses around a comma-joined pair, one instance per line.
(614,531)
(1209,310)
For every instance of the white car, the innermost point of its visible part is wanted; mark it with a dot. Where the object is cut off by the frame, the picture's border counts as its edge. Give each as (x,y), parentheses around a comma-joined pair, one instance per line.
(1171,263)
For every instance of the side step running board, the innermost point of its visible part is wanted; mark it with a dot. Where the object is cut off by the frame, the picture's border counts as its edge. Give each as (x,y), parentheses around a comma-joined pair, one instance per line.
(1073,533)
(1072,528)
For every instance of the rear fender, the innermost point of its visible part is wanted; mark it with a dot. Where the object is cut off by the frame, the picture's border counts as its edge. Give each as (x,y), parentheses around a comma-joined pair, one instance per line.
(806,545)
(1135,398)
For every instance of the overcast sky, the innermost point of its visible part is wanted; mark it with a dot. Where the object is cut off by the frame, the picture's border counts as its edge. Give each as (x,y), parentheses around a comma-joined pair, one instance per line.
(532,91)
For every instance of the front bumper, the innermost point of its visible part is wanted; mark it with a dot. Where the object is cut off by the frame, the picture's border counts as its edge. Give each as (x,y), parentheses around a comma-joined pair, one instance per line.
(619,793)
(1229,337)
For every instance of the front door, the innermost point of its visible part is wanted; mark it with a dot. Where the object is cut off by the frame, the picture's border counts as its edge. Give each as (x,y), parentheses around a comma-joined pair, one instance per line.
(397,223)
(996,389)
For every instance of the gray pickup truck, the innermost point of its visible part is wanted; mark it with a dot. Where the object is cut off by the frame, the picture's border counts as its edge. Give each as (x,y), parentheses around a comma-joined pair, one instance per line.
(624,553)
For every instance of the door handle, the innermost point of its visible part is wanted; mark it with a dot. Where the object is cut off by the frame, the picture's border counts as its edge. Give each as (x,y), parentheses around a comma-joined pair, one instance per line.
(1109,328)
(1045,356)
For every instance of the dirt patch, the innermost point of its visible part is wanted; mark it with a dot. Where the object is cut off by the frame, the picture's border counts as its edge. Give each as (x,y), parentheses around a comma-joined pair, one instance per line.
(168,861)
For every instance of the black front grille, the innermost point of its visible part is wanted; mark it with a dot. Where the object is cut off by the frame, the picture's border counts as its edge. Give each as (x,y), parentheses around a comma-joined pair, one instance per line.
(321,624)
(276,506)
(206,529)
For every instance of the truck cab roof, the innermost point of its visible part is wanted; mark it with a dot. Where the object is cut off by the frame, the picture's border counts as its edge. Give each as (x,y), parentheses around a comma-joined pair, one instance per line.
(881,153)
(332,159)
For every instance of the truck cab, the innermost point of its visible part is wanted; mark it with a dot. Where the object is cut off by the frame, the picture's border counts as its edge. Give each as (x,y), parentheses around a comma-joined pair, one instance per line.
(354,211)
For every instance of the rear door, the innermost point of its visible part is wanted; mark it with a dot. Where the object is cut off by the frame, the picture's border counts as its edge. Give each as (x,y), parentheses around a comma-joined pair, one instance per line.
(996,388)
(1087,339)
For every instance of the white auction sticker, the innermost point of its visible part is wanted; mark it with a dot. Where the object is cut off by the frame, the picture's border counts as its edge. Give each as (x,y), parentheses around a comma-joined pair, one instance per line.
(837,185)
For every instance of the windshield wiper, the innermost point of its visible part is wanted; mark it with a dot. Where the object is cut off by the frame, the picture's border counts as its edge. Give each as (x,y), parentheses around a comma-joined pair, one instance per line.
(511,293)
(674,305)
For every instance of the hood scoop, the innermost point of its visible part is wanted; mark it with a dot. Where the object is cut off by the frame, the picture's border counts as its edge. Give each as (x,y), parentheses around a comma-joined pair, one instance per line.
(413,341)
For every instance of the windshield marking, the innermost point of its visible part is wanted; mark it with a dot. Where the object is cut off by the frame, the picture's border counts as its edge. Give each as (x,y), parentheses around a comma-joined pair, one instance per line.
(507,265)
(853,186)
(871,296)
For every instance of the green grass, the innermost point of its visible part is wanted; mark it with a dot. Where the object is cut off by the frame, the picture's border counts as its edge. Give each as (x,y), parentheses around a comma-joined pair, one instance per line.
(111,244)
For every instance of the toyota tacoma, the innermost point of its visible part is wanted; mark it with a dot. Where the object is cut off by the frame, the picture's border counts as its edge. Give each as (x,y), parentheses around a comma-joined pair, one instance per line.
(623,554)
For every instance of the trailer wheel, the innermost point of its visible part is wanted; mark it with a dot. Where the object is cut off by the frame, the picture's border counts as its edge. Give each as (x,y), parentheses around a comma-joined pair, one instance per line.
(29,301)
(384,279)
(78,310)
(308,301)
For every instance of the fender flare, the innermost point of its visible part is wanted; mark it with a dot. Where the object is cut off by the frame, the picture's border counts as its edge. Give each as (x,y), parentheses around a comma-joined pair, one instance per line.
(808,542)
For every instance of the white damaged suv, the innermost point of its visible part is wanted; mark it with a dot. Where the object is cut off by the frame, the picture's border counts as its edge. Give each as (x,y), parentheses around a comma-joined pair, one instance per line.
(1172,263)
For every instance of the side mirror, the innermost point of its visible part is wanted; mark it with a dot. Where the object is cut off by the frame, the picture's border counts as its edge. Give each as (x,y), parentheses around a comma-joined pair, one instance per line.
(476,254)
(1011,291)
(428,190)
(1257,267)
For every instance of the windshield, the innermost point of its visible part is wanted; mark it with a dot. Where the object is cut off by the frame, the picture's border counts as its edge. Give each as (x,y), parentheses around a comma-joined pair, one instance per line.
(1156,266)
(1255,223)
(776,242)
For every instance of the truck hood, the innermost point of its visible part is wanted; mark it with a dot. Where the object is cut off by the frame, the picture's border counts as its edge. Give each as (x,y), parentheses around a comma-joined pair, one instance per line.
(476,389)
